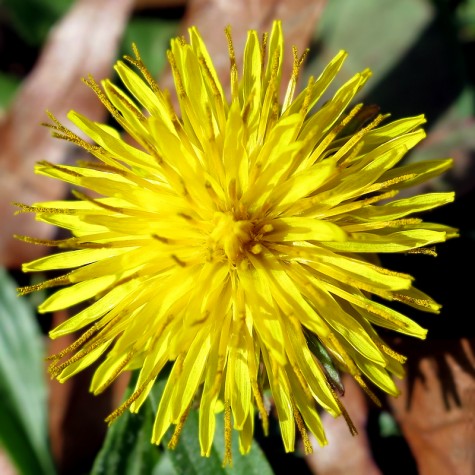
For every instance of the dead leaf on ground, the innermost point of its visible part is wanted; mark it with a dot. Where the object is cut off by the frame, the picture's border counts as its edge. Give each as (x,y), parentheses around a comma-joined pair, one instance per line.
(84,42)
(211,17)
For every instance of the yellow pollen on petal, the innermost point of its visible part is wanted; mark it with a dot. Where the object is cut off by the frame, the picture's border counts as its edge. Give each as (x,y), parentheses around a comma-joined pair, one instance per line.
(260,405)
(429,251)
(228,454)
(303,431)
(178,429)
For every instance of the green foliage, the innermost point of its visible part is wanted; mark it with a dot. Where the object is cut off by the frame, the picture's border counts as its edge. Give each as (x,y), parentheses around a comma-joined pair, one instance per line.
(152,37)
(23,427)
(34,18)
(128,451)
(387,425)
(8,87)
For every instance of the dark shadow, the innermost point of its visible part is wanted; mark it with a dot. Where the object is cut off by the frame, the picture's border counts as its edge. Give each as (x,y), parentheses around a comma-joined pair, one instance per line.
(448,279)
(427,79)
(384,448)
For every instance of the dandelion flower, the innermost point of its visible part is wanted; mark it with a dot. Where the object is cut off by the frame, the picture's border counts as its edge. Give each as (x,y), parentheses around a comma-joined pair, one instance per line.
(237,241)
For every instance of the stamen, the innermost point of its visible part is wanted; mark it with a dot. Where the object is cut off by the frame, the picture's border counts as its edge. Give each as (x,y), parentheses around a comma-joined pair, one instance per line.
(104,167)
(265,37)
(138,63)
(366,389)
(233,67)
(153,375)
(209,188)
(260,406)
(404,222)
(47,242)
(346,208)
(301,380)
(128,357)
(308,96)
(395,223)
(289,95)
(125,405)
(180,89)
(355,138)
(178,261)
(134,396)
(185,216)
(429,251)
(56,282)
(90,244)
(63,169)
(65,134)
(160,238)
(90,82)
(55,369)
(303,430)
(352,368)
(127,104)
(228,454)
(42,209)
(318,152)
(256,249)
(346,416)
(209,76)
(390,352)
(388,183)
(178,429)
(411,300)
(170,108)
(76,344)
(90,199)
(275,65)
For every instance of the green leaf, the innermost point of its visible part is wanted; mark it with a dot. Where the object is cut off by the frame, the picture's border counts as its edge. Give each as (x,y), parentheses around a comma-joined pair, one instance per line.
(370,31)
(388,427)
(186,457)
(328,365)
(8,87)
(23,427)
(187,460)
(127,449)
(33,19)
(152,37)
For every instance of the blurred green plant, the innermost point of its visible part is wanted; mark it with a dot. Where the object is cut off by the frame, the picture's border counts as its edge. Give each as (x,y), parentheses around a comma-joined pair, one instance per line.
(23,413)
(127,449)
(33,19)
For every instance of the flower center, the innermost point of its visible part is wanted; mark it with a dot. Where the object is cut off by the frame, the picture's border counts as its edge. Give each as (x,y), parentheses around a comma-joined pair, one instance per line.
(229,237)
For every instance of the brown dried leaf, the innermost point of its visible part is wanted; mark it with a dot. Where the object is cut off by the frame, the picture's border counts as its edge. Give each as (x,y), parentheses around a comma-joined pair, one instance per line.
(145,4)
(437,406)
(85,41)
(6,465)
(345,453)
(299,20)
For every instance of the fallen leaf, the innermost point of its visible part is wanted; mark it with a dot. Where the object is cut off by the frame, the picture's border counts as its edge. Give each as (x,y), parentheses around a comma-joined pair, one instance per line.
(211,17)
(84,42)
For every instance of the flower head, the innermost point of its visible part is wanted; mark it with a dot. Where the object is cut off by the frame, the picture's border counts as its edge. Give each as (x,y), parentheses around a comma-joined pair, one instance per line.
(237,240)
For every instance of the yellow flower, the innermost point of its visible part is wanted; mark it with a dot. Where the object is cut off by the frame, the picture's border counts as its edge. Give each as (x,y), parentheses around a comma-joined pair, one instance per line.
(237,239)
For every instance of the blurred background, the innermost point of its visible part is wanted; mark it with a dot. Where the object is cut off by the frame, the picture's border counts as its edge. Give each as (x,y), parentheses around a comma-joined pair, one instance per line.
(422,54)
